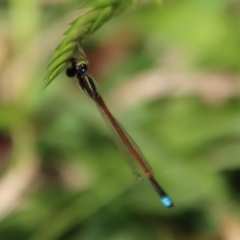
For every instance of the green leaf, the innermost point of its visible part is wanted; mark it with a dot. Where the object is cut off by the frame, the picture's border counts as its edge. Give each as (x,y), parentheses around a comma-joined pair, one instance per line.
(80,29)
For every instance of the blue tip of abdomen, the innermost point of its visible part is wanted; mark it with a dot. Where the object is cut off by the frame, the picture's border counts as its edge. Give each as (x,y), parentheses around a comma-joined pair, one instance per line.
(166,201)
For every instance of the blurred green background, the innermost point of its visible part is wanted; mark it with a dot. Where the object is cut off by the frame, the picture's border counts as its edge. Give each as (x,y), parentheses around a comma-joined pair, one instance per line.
(170,73)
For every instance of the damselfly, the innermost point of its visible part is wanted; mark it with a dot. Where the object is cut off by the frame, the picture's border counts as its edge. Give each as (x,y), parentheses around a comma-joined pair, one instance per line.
(125,142)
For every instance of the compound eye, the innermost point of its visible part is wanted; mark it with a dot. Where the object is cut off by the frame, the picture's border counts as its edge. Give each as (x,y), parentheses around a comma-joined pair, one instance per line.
(71,72)
(83,68)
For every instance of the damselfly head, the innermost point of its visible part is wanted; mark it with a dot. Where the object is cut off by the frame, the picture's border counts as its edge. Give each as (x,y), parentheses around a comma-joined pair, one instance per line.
(81,68)
(71,72)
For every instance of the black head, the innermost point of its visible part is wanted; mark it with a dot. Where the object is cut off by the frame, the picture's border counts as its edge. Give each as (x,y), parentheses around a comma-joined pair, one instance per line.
(71,72)
(76,68)
(81,69)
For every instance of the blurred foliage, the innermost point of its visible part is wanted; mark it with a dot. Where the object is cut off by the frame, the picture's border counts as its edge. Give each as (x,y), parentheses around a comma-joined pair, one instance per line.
(169,71)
